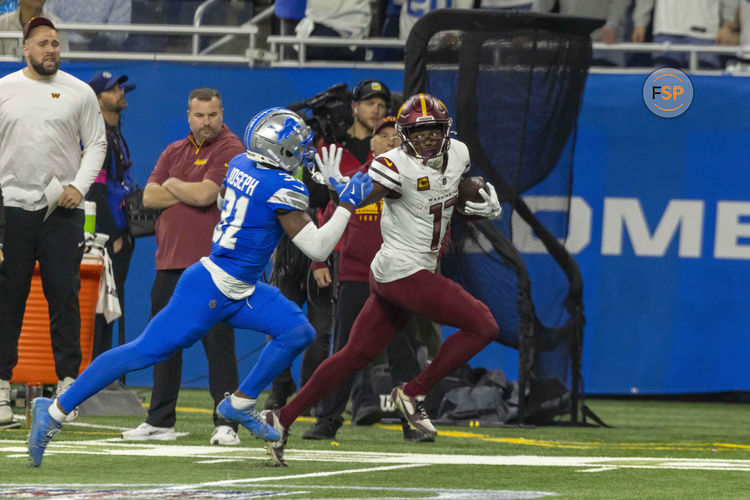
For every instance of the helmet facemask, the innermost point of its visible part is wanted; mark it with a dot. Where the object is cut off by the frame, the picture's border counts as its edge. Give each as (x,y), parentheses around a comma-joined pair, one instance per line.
(439,142)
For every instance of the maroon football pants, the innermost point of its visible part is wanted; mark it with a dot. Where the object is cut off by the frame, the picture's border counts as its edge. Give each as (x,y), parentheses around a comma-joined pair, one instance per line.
(387,310)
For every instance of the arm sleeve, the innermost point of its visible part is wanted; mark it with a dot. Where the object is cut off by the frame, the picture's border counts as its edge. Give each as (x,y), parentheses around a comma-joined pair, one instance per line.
(642,12)
(94,140)
(616,13)
(161,170)
(729,10)
(291,196)
(383,171)
(318,243)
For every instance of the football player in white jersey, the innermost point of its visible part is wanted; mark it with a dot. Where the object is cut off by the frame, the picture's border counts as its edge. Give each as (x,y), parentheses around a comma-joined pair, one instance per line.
(419,185)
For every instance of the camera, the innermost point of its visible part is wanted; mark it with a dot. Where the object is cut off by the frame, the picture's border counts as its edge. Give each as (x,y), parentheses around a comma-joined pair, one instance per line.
(330,113)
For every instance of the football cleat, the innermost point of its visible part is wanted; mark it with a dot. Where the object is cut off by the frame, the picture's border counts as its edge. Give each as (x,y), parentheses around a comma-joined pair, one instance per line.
(249,419)
(412,408)
(276,448)
(43,429)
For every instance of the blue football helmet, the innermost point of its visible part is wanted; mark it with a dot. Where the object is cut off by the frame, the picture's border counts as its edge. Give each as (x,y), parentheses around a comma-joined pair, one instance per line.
(280,138)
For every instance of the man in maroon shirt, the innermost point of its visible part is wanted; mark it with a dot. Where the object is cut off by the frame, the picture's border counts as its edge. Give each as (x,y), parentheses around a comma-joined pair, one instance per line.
(184,185)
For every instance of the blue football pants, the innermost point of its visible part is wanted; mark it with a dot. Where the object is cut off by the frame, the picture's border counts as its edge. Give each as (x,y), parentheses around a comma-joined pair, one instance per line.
(194,308)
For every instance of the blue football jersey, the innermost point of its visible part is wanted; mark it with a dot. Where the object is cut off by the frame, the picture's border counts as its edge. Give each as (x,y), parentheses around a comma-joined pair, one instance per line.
(249,231)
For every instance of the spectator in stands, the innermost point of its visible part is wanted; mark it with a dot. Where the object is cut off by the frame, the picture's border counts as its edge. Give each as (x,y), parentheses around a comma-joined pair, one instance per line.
(185,184)
(696,22)
(14,21)
(98,12)
(110,187)
(416,9)
(612,12)
(48,144)
(289,13)
(349,19)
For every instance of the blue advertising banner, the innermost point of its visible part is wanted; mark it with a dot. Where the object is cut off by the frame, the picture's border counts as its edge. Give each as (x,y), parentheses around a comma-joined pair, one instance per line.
(660,219)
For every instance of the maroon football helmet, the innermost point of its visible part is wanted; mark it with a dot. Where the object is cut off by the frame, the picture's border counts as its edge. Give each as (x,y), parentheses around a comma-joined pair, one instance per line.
(424,111)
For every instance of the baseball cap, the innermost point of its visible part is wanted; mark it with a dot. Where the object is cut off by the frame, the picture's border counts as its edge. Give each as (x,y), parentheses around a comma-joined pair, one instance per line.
(35,22)
(104,81)
(371,88)
(387,121)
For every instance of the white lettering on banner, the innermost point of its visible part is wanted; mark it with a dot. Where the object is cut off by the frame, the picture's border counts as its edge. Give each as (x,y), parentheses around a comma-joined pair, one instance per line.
(579,224)
(685,215)
(623,218)
(730,228)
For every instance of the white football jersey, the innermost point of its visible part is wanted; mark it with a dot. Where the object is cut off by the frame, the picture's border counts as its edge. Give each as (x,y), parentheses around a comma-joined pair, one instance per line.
(417,212)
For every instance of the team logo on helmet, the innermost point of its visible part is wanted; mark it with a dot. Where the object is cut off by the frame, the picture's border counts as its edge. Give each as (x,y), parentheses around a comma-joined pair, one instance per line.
(291,126)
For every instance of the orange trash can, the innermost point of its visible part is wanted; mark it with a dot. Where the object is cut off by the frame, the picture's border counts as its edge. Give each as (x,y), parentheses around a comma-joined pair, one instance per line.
(36,365)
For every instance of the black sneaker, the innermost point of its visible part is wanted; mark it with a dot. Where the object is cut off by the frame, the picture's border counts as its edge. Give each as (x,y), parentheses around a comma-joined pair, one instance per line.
(280,393)
(368,415)
(322,429)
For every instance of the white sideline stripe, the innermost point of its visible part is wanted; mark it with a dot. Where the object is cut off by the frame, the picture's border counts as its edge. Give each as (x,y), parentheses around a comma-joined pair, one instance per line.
(117,447)
(94,426)
(235,482)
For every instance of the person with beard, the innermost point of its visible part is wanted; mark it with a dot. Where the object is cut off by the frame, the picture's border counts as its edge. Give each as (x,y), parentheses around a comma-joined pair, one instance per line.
(53,145)
(110,187)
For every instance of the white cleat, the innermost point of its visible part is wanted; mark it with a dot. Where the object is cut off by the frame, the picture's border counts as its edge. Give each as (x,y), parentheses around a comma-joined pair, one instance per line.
(225,436)
(147,432)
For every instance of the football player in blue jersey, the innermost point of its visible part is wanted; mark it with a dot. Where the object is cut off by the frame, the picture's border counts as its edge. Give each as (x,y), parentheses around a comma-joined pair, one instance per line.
(262,201)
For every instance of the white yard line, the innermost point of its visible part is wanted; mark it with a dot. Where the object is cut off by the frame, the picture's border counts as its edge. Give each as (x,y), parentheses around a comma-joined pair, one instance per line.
(235,482)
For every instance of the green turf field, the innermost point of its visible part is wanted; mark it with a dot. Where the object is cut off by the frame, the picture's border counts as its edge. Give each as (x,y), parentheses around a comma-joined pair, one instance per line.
(657,449)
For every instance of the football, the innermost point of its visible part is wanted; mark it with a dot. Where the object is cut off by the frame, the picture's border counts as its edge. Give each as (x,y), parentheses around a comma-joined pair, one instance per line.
(468,190)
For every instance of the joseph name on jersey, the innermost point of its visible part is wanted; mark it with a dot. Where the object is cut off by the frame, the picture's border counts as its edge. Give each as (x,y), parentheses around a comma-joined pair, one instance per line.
(416,216)
(249,230)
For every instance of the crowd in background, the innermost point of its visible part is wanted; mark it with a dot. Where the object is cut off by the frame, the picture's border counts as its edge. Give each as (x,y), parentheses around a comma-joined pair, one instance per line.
(695,22)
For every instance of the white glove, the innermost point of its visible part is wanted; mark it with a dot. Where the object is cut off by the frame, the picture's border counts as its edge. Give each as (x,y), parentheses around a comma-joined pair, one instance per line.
(489,208)
(328,161)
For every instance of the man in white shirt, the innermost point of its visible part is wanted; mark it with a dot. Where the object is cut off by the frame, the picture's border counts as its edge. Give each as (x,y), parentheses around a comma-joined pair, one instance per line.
(45,117)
